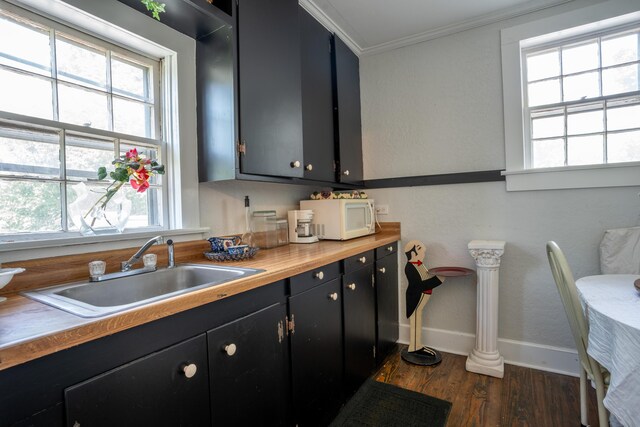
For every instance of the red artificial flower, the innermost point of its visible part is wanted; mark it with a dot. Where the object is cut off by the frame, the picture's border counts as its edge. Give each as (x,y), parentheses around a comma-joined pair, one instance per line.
(132,154)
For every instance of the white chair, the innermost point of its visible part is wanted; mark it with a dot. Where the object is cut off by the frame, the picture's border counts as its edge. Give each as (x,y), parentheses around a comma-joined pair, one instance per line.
(579,328)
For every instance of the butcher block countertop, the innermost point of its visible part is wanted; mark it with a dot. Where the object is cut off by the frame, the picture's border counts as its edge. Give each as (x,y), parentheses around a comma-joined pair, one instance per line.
(29,329)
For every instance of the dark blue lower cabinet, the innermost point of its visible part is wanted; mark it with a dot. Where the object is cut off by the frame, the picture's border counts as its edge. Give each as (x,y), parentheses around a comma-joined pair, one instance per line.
(248,370)
(166,388)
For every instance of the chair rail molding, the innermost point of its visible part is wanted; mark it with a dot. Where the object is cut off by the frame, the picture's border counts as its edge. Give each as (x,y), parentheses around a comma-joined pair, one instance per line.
(485,358)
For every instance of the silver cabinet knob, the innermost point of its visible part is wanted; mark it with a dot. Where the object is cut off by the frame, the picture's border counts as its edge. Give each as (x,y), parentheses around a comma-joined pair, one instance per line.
(352,286)
(189,370)
(309,167)
(382,270)
(333,296)
(363,259)
(230,349)
(295,164)
(390,249)
(319,275)
(346,172)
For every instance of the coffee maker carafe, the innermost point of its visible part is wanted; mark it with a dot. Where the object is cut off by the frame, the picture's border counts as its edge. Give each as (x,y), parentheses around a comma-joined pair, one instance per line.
(300,227)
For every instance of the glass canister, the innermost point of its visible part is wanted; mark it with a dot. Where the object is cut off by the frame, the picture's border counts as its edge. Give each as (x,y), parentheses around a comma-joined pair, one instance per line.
(264,227)
(282,225)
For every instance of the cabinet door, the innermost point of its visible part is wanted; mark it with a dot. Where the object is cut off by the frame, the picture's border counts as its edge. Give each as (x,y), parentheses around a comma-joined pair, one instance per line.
(317,100)
(248,370)
(167,388)
(359,327)
(316,354)
(347,100)
(269,87)
(387,305)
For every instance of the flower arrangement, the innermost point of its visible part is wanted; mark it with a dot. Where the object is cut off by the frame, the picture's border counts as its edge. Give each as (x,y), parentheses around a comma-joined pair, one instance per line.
(130,167)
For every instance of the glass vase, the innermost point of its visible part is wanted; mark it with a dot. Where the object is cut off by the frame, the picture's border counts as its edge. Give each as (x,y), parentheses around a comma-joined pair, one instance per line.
(92,216)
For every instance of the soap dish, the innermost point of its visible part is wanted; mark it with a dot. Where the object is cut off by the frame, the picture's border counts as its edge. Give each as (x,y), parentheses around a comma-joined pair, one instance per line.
(6,274)
(226,256)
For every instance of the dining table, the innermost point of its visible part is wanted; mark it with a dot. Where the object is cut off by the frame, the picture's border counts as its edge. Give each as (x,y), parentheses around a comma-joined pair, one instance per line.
(611,304)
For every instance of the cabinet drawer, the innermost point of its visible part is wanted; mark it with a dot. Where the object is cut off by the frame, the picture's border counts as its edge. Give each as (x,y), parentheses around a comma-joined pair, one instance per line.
(310,279)
(385,250)
(358,261)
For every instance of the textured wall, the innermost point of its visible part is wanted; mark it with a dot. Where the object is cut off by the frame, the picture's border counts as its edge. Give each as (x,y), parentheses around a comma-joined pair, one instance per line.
(436,107)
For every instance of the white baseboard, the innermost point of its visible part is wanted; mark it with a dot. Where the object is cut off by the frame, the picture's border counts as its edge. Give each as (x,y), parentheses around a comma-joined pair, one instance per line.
(537,356)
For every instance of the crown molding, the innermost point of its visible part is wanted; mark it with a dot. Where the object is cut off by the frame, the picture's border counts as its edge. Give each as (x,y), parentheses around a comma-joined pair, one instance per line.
(446,30)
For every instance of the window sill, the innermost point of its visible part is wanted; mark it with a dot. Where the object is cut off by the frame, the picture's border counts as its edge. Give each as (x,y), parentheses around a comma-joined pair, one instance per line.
(32,249)
(591,176)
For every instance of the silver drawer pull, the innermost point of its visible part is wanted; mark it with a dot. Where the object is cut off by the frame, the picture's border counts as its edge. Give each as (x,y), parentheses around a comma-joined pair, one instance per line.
(189,370)
(333,296)
(309,167)
(363,259)
(382,270)
(346,172)
(230,349)
(295,164)
(390,249)
(352,286)
(319,275)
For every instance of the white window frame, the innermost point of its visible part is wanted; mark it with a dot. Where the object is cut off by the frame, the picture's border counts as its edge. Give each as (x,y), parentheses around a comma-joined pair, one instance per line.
(577,23)
(123,26)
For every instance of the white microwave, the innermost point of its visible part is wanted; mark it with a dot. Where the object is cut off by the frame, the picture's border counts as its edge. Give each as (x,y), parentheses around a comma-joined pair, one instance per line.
(341,219)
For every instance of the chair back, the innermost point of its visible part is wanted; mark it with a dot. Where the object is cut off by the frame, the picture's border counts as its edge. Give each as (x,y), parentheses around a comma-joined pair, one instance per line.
(571,302)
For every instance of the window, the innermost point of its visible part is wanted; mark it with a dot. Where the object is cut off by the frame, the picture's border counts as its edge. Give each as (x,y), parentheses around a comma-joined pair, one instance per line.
(571,89)
(582,101)
(71,103)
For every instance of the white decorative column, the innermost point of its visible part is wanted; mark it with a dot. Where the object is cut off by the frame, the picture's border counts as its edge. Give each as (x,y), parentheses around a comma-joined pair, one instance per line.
(485,358)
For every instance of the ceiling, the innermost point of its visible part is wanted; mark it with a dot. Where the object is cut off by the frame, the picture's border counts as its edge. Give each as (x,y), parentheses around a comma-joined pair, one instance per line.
(372,26)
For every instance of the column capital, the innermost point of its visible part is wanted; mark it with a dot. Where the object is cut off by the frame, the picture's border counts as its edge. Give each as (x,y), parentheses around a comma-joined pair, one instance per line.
(487,253)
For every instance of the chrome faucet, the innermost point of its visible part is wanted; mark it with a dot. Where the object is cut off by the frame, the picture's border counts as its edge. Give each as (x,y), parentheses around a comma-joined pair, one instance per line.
(126,265)
(170,256)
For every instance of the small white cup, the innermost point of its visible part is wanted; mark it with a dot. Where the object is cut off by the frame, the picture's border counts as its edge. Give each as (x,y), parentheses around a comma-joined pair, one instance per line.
(150,260)
(97,268)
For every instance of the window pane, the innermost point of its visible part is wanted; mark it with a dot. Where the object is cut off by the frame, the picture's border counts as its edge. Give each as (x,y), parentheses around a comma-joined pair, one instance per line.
(620,79)
(545,92)
(580,58)
(587,122)
(32,53)
(130,80)
(621,118)
(618,50)
(26,152)
(548,153)
(585,150)
(547,127)
(142,212)
(28,95)
(581,86)
(132,118)
(83,107)
(543,65)
(80,64)
(623,147)
(85,155)
(29,207)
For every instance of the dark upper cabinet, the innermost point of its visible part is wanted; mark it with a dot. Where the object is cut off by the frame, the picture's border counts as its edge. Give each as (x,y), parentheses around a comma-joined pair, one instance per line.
(317,100)
(316,353)
(270,106)
(168,388)
(248,365)
(347,125)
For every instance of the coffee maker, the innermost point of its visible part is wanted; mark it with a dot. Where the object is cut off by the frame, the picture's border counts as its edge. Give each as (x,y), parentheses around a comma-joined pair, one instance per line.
(300,228)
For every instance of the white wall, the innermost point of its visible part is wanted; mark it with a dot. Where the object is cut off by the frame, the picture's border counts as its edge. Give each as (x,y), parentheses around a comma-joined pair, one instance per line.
(436,107)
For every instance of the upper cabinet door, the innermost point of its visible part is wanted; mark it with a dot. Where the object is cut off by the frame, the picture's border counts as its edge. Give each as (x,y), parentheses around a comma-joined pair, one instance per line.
(317,100)
(269,87)
(347,101)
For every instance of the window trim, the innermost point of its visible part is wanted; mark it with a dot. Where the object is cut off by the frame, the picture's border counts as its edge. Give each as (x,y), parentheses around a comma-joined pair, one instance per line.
(572,24)
(116,22)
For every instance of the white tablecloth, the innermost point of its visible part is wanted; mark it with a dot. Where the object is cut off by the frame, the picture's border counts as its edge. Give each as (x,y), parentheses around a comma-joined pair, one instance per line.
(612,305)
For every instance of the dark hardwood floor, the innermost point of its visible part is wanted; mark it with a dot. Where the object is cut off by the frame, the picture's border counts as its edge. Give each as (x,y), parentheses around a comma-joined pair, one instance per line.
(524,397)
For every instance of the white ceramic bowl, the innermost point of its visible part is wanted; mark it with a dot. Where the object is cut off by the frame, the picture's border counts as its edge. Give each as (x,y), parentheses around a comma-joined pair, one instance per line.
(6,274)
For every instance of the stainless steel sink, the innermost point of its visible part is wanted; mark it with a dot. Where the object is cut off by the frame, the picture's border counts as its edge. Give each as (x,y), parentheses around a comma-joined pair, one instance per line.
(94,299)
